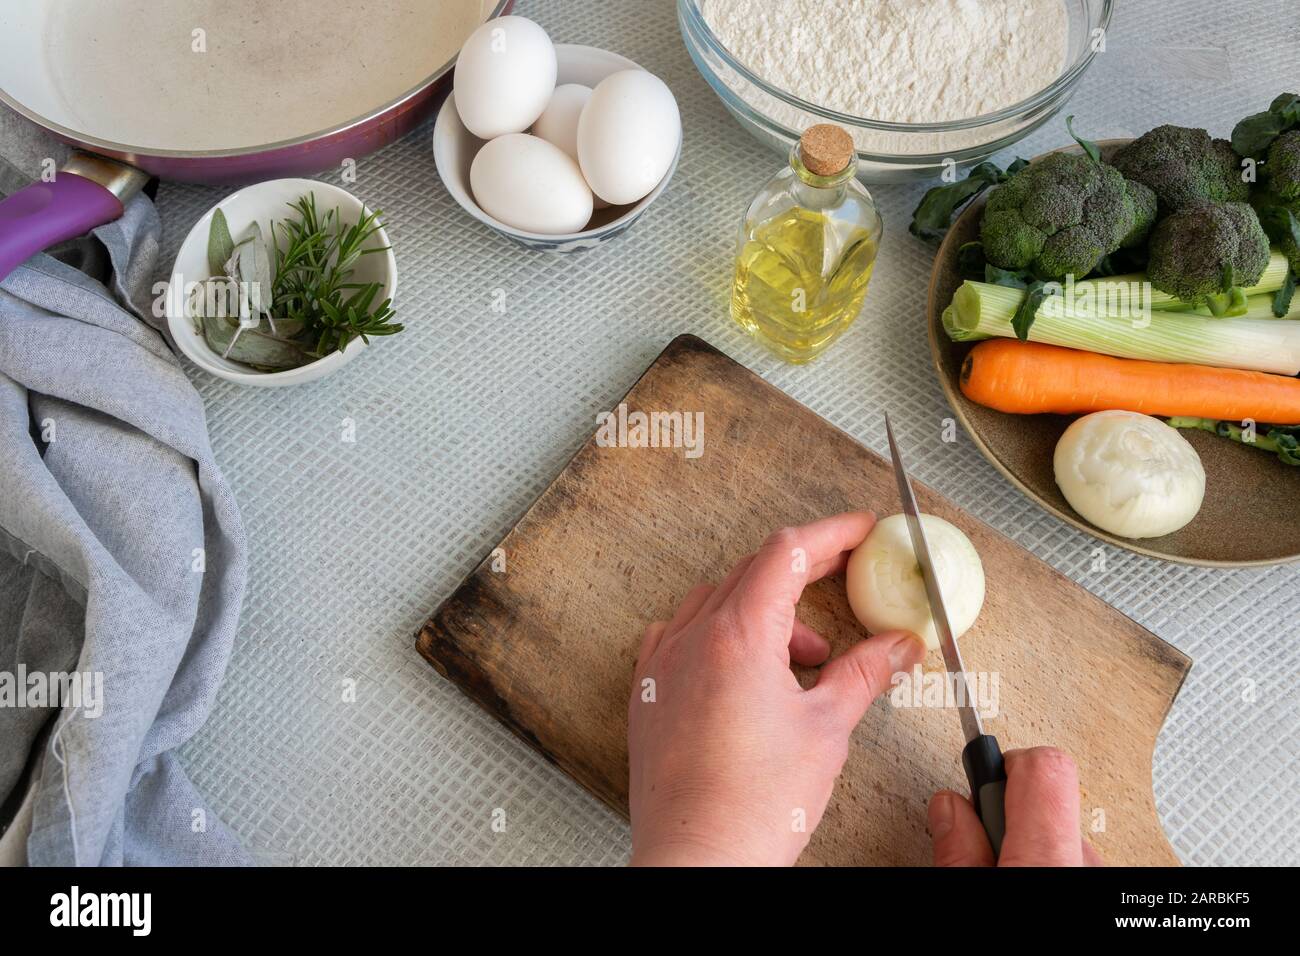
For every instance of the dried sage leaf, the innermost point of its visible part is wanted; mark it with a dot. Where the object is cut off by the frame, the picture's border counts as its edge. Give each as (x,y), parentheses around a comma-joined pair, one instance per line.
(217,296)
(220,245)
(255,270)
(251,346)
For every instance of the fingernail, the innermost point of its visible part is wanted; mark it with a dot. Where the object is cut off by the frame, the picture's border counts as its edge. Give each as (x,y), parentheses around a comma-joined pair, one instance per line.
(907,649)
(941,817)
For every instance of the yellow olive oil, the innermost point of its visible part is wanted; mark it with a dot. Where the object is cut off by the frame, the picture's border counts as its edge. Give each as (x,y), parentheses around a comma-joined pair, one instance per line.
(807,249)
(800,281)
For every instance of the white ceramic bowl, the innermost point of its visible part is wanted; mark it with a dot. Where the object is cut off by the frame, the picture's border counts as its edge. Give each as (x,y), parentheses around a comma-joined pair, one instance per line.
(265,202)
(454,149)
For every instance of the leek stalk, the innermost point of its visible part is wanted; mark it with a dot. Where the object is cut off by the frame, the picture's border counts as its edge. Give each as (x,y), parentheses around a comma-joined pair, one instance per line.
(981,310)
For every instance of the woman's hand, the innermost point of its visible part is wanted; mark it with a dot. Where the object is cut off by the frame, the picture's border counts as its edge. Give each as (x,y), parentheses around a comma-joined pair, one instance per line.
(732,762)
(1042,808)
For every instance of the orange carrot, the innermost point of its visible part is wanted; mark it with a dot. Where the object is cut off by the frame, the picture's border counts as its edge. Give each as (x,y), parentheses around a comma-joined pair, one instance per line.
(1028,377)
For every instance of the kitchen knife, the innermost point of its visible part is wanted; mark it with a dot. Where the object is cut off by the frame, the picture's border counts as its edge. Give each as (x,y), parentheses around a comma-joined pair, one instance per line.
(982,757)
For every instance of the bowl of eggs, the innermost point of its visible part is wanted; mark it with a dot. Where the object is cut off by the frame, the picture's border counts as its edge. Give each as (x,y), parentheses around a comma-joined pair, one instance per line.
(559,147)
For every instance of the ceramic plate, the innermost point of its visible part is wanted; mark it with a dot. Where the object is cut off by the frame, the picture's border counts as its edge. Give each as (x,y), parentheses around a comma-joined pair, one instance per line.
(1251,514)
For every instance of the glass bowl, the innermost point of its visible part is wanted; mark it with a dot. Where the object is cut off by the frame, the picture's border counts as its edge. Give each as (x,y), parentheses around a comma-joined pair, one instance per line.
(889,151)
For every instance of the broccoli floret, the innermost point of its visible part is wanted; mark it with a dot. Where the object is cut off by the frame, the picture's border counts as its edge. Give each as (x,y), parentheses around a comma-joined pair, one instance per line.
(1059,216)
(1267,202)
(1143,199)
(1206,250)
(1279,193)
(1183,166)
(1282,166)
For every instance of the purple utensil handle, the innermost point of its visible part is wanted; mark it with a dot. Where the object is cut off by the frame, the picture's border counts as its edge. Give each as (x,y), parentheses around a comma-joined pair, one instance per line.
(43,214)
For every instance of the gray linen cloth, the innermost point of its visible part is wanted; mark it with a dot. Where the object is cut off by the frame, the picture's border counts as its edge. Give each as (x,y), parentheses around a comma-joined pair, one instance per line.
(121,555)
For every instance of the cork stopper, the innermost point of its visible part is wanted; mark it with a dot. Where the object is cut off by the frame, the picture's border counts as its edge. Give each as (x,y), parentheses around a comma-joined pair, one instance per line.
(825,149)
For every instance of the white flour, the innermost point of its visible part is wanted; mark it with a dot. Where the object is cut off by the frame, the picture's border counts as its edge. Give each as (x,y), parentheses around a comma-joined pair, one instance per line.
(907,61)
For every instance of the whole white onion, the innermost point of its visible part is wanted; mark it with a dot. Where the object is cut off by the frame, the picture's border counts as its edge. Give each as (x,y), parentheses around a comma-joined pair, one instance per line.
(1129,474)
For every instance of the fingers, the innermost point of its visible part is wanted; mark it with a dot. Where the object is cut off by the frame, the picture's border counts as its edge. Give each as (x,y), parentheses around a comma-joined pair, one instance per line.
(807,647)
(690,606)
(650,641)
(728,585)
(772,580)
(958,834)
(1090,856)
(793,557)
(655,633)
(1042,809)
(850,682)
(1043,775)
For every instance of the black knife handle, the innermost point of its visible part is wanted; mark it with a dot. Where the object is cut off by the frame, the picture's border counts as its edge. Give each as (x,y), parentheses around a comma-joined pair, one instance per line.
(982,759)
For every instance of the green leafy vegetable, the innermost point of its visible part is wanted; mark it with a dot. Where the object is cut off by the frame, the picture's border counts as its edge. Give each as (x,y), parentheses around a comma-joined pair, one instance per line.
(1010,278)
(1254,134)
(1089,147)
(970,260)
(935,212)
(1025,315)
(1281,440)
(1280,224)
(1282,298)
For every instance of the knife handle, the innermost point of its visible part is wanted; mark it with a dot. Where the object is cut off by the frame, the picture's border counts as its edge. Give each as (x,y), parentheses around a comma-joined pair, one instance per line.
(982,758)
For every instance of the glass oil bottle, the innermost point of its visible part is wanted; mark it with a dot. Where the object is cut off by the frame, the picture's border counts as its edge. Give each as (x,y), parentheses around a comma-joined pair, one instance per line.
(807,248)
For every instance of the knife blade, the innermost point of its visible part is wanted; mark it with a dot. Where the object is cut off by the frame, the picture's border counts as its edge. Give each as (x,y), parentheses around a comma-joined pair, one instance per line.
(981,757)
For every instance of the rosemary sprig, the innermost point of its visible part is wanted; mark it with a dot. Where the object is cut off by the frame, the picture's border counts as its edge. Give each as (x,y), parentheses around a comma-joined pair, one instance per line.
(304,308)
(313,269)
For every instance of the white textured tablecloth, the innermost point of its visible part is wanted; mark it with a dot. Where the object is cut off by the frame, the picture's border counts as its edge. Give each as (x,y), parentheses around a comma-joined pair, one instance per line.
(463,420)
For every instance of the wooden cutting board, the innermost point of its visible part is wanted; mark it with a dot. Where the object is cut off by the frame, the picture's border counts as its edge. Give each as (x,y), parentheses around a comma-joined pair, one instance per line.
(544,633)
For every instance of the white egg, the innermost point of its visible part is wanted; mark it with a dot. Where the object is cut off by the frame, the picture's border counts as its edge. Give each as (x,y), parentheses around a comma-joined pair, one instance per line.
(505,76)
(558,124)
(530,184)
(887,592)
(628,134)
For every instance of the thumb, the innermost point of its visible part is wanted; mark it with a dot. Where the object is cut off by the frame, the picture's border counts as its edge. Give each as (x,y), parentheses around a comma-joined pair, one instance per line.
(958,835)
(850,682)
